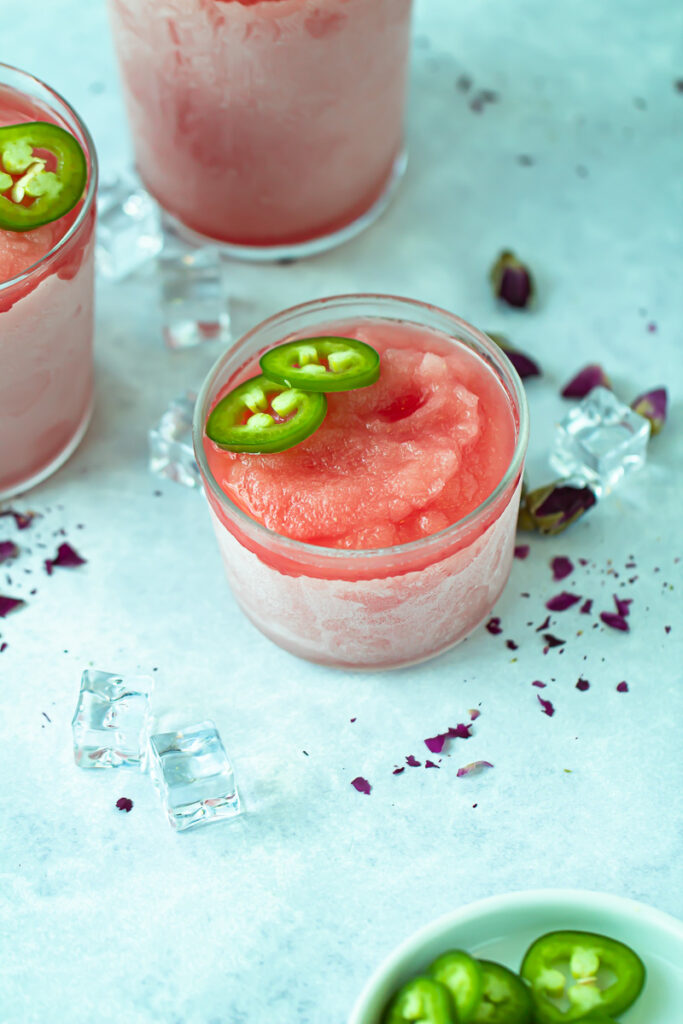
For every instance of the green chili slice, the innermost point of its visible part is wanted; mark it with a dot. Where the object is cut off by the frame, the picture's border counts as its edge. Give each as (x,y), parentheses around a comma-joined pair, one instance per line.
(578,975)
(30,194)
(505,998)
(322,364)
(422,999)
(463,977)
(261,416)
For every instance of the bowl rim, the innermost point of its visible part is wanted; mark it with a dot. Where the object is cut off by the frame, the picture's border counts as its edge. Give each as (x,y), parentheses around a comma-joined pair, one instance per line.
(523,898)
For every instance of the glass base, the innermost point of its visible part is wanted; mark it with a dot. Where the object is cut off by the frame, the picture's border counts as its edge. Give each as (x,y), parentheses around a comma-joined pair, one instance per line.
(56,463)
(299,250)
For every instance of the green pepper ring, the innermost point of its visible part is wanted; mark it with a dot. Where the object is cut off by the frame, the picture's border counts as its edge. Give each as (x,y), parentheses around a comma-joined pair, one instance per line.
(359,364)
(71,170)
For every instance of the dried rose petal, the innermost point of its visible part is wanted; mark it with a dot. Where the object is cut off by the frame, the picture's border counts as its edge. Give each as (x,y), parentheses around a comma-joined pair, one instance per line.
(430,764)
(561,567)
(652,405)
(435,744)
(585,608)
(553,641)
(511,645)
(582,384)
(512,281)
(539,684)
(474,714)
(544,625)
(8,549)
(614,621)
(494,626)
(362,785)
(3,646)
(582,684)
(522,551)
(413,762)
(622,687)
(547,706)
(623,604)
(124,804)
(562,601)
(9,604)
(523,364)
(22,519)
(460,732)
(398,771)
(554,507)
(473,768)
(66,558)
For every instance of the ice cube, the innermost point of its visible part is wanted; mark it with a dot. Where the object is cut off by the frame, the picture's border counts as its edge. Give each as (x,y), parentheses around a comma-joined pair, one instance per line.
(191,770)
(171,454)
(194,294)
(128,227)
(600,440)
(110,720)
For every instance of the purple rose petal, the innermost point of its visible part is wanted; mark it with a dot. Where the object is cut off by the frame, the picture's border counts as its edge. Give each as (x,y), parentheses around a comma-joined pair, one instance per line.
(539,684)
(430,764)
(544,625)
(614,621)
(398,771)
(473,768)
(460,732)
(22,519)
(435,743)
(652,405)
(66,558)
(511,645)
(3,646)
(522,551)
(412,762)
(582,684)
(623,605)
(9,604)
(362,785)
(474,714)
(561,567)
(553,641)
(8,550)
(494,626)
(124,803)
(547,706)
(523,364)
(585,608)
(622,687)
(582,384)
(561,602)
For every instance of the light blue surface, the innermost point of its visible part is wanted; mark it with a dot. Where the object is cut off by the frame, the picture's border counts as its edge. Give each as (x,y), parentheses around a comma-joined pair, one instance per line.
(280,915)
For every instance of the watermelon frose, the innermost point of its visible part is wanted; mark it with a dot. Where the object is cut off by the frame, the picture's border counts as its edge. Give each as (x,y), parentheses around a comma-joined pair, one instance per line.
(387,535)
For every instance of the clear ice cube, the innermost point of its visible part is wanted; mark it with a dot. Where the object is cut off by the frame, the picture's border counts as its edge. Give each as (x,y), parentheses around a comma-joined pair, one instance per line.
(600,440)
(171,454)
(110,720)
(193,774)
(128,227)
(195,301)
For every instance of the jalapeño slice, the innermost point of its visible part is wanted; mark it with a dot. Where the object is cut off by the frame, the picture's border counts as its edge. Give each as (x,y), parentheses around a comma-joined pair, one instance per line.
(30,194)
(505,998)
(463,977)
(577,976)
(322,364)
(421,1000)
(261,416)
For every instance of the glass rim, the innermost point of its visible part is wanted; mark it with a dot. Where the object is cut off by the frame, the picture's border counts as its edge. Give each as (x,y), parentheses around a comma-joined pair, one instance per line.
(92,177)
(317,551)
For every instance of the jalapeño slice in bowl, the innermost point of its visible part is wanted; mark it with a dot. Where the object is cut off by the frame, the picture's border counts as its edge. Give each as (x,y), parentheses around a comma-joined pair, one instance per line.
(505,998)
(43,172)
(463,977)
(422,1000)
(261,416)
(576,976)
(322,364)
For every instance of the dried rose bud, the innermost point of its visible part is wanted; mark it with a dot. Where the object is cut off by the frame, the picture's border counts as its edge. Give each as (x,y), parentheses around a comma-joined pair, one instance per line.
(652,405)
(582,384)
(512,281)
(523,364)
(554,507)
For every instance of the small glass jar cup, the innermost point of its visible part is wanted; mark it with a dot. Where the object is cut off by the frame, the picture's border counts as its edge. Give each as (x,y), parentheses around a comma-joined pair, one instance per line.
(273,127)
(46,329)
(368,609)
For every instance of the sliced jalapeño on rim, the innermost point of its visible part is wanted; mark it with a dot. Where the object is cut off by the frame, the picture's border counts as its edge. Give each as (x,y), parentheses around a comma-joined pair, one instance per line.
(43,172)
(322,364)
(261,416)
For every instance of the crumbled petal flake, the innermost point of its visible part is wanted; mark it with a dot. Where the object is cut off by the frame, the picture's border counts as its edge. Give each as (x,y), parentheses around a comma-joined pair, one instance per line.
(522,551)
(585,608)
(460,731)
(22,520)
(413,762)
(561,602)
(430,764)
(8,550)
(561,567)
(547,706)
(553,641)
(539,684)
(582,384)
(494,626)
(544,625)
(362,785)
(124,803)
(474,714)
(583,685)
(512,281)
(9,604)
(622,687)
(66,558)
(435,743)
(614,621)
(623,605)
(398,771)
(653,406)
(511,645)
(473,768)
